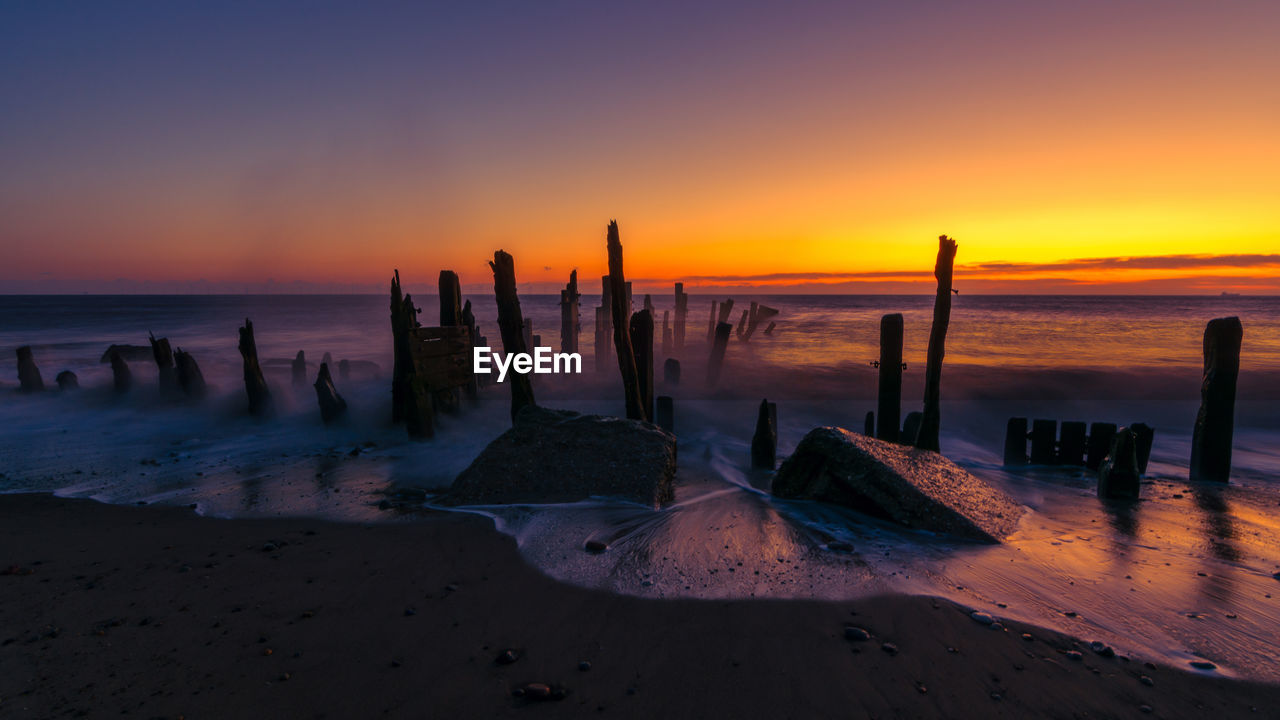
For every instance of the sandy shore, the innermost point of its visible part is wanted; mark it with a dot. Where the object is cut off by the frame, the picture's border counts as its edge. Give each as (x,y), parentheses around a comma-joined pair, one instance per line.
(156,612)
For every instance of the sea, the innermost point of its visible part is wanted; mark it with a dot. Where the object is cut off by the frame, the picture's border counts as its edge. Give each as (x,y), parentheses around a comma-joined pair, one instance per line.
(1191,572)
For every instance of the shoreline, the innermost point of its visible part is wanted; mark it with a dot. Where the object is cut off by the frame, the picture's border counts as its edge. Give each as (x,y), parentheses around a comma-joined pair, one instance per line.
(160,612)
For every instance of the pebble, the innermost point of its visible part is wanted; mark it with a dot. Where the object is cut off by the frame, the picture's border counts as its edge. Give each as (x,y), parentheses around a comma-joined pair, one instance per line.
(996,626)
(1146,681)
(1203,665)
(1145,708)
(856,633)
(1074,655)
(269,547)
(982,618)
(1027,637)
(506,657)
(1102,649)
(537,691)
(584,666)
(595,546)
(889,648)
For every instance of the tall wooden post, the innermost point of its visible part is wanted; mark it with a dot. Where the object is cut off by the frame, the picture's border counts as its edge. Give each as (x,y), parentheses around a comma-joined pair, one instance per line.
(190,379)
(254,384)
(298,369)
(682,315)
(511,325)
(711,324)
(404,317)
(28,373)
(163,354)
(764,444)
(931,423)
(472,388)
(604,325)
(450,299)
(642,347)
(718,347)
(636,407)
(1215,422)
(666,333)
(569,322)
(889,406)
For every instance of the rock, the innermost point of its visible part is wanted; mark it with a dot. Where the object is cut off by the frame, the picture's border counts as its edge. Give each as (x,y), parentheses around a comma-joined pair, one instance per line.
(856,633)
(584,666)
(1118,476)
(595,546)
(1146,681)
(1075,655)
(561,456)
(541,691)
(982,618)
(1203,665)
(1028,637)
(917,488)
(889,648)
(506,657)
(1102,649)
(67,380)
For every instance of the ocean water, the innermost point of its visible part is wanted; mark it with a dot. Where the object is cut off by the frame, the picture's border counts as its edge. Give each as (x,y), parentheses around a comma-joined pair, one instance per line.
(1188,572)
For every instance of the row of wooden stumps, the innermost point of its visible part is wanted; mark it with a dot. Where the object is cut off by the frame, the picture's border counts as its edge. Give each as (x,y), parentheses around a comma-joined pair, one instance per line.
(332,405)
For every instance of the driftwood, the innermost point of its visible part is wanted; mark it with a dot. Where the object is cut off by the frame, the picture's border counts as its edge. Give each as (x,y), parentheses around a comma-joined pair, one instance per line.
(511,326)
(889,406)
(718,347)
(666,413)
(764,443)
(631,386)
(671,371)
(254,384)
(642,347)
(682,316)
(332,406)
(1215,422)
(931,423)
(298,369)
(67,380)
(190,379)
(570,322)
(121,377)
(29,379)
(163,355)
(1118,478)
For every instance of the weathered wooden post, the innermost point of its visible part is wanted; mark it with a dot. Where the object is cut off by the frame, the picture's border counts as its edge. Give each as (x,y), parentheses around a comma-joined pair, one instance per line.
(604,324)
(1143,435)
(931,423)
(472,388)
(642,347)
(742,325)
(254,384)
(682,316)
(1071,443)
(168,374)
(121,376)
(869,424)
(1215,422)
(711,324)
(298,369)
(889,405)
(450,299)
(528,334)
(569,322)
(671,371)
(764,443)
(1100,437)
(718,347)
(910,427)
(511,325)
(759,313)
(769,330)
(67,380)
(332,406)
(666,414)
(404,317)
(631,386)
(666,333)
(726,311)
(29,379)
(1118,477)
(190,379)
(1015,442)
(1044,435)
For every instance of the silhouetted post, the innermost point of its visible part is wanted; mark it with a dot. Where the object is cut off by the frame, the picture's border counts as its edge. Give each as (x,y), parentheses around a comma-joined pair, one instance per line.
(711,324)
(764,444)
(642,346)
(759,313)
(163,354)
(1071,443)
(671,371)
(769,330)
(511,325)
(1118,476)
(604,324)
(633,392)
(254,384)
(450,299)
(931,423)
(473,333)
(1044,435)
(742,325)
(121,376)
(718,347)
(1015,442)
(67,380)
(1143,435)
(1100,437)
(666,333)
(190,379)
(910,428)
(569,323)
(726,311)
(404,318)
(29,379)
(666,413)
(298,368)
(869,424)
(1215,422)
(889,407)
(528,334)
(682,316)
(332,406)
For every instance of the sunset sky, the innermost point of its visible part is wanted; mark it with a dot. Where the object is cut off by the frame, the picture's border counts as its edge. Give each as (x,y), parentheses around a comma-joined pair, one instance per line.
(794,147)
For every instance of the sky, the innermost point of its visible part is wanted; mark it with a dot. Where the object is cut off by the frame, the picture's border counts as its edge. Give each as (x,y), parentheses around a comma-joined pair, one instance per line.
(1108,147)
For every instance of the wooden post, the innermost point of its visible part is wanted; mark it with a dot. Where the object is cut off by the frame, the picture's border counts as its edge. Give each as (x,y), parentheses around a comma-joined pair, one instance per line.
(1215,422)
(718,348)
(869,424)
(163,355)
(666,414)
(642,346)
(528,335)
(671,371)
(404,317)
(254,384)
(889,407)
(759,313)
(1118,475)
(332,406)
(742,324)
(666,333)
(1015,442)
(1044,436)
(711,324)
(931,423)
(726,310)
(1071,443)
(1100,437)
(511,324)
(472,389)
(682,315)
(190,379)
(298,368)
(764,444)
(631,387)
(569,321)
(1144,435)
(67,380)
(121,377)
(29,379)
(910,428)
(604,325)
(769,330)
(450,299)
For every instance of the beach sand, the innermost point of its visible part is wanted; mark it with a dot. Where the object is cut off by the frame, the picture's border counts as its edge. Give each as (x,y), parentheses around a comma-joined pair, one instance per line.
(157,612)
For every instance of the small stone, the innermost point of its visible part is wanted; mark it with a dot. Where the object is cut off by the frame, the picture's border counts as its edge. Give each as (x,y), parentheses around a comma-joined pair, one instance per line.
(1203,665)
(506,657)
(537,691)
(856,633)
(1102,649)
(889,648)
(269,547)
(996,696)
(1145,708)
(840,546)
(584,666)
(1146,681)
(1027,637)
(595,546)
(996,626)
(1074,655)
(267,651)
(982,618)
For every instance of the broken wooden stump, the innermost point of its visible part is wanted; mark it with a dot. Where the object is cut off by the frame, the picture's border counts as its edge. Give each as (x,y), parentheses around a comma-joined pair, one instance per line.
(682,316)
(67,380)
(1215,421)
(128,353)
(162,353)
(711,324)
(472,389)
(931,423)
(721,343)
(1143,436)
(570,323)
(726,311)
(298,369)
(450,298)
(1015,442)
(631,387)
(29,380)
(642,347)
(666,413)
(254,384)
(121,376)
(764,443)
(511,325)
(667,337)
(671,371)
(1100,437)
(889,405)
(759,314)
(604,325)
(1044,434)
(1072,441)
(741,330)
(404,317)
(332,406)
(190,379)
(911,427)
(1118,477)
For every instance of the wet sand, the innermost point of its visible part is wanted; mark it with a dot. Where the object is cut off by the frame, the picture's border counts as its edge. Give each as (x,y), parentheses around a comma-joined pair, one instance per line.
(156,612)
